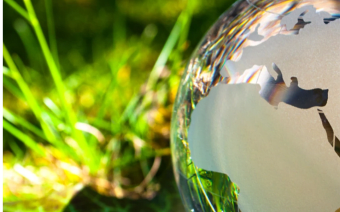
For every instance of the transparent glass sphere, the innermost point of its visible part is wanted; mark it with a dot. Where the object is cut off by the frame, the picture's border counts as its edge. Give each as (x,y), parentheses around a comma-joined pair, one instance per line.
(256,122)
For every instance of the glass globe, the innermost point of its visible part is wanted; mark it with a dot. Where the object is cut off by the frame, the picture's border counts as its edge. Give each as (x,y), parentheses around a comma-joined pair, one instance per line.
(256,122)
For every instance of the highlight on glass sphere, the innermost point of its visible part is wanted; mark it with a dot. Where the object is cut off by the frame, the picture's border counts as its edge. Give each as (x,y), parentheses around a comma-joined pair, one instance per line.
(256,122)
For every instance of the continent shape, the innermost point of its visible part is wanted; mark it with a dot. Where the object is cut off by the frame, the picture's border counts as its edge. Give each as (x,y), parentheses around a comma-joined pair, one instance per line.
(280,155)
(272,155)
(312,56)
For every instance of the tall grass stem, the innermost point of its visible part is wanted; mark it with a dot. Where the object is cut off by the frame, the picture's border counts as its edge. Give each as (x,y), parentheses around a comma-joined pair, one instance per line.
(51,31)
(87,153)
(24,138)
(15,74)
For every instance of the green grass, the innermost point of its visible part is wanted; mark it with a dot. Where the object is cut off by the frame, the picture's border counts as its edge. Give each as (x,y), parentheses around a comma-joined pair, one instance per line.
(123,121)
(99,119)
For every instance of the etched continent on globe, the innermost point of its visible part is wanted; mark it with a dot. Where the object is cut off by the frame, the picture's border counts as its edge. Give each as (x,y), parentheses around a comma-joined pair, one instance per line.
(272,124)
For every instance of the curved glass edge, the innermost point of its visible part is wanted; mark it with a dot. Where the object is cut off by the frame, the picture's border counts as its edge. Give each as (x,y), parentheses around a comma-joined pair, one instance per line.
(203,190)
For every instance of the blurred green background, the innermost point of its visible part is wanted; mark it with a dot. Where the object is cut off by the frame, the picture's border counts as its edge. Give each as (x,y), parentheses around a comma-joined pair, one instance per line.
(88,92)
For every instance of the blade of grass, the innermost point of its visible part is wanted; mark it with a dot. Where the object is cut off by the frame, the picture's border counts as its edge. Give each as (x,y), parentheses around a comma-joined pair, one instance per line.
(115,65)
(18,8)
(11,87)
(106,100)
(20,66)
(50,62)
(51,31)
(24,138)
(167,49)
(27,37)
(88,153)
(161,61)
(52,106)
(14,147)
(25,90)
(28,95)
(130,107)
(14,119)
(186,22)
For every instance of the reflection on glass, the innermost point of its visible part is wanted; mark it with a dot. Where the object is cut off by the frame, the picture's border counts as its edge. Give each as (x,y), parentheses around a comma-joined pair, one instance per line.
(288,52)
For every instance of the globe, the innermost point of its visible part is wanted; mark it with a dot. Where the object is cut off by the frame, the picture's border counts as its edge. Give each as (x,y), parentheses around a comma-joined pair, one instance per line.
(256,122)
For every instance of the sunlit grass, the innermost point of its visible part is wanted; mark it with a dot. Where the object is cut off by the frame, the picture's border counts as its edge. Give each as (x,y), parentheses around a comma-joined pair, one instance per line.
(68,145)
